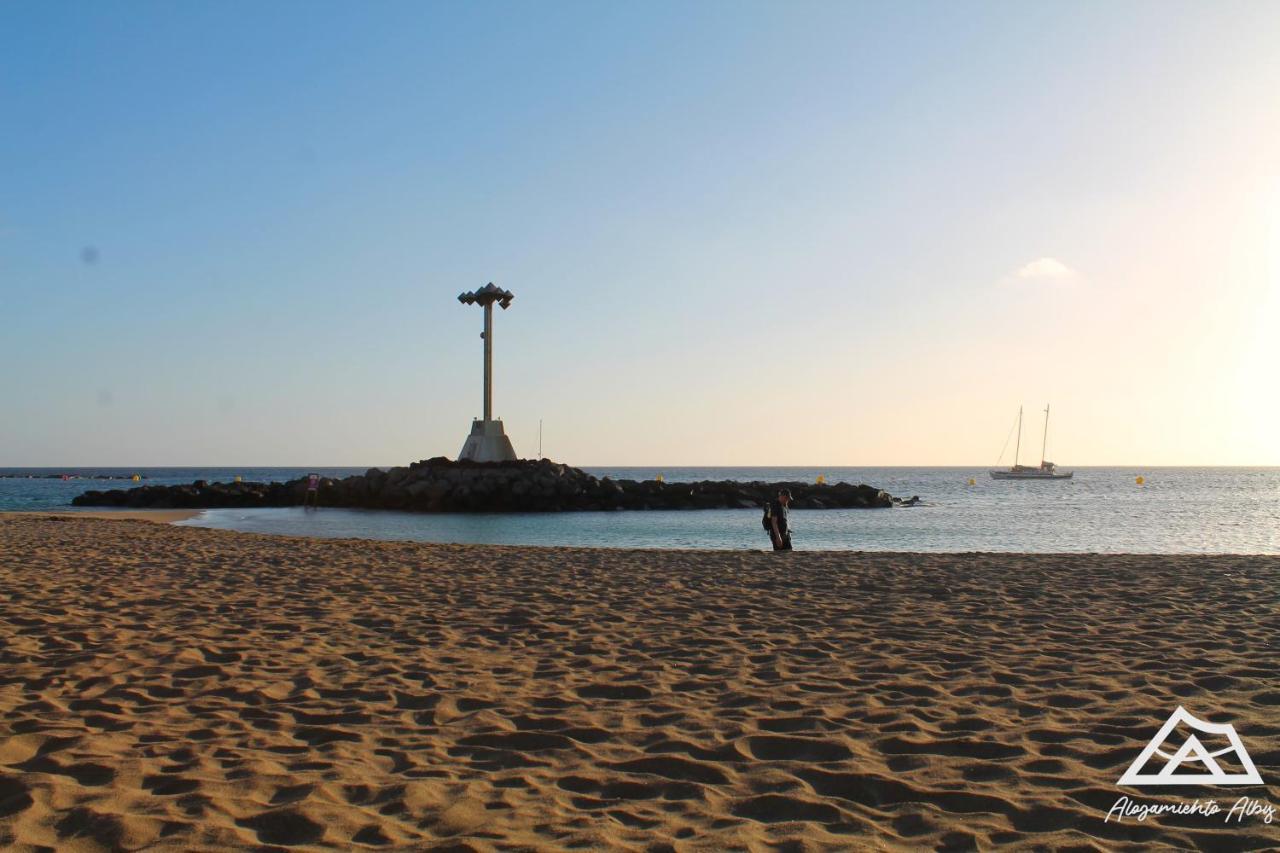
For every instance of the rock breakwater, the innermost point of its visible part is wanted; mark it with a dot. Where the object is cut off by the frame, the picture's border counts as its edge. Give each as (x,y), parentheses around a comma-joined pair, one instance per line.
(444,485)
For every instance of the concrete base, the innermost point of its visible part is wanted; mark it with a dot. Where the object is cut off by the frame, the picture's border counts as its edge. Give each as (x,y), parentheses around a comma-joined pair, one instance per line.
(487,443)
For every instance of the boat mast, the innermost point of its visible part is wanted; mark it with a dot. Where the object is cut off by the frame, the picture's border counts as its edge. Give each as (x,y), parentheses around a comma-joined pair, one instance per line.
(1017,448)
(1045,444)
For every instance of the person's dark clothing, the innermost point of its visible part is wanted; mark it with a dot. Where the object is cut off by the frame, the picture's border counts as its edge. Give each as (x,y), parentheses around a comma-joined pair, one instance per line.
(778,513)
(782,539)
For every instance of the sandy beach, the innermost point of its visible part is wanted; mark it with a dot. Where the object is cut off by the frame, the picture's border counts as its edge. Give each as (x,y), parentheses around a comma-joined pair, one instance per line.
(175,688)
(166,516)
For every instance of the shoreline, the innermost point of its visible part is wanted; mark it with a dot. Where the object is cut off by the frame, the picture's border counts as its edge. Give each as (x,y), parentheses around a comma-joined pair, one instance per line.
(183,687)
(174,516)
(164,516)
(1199,512)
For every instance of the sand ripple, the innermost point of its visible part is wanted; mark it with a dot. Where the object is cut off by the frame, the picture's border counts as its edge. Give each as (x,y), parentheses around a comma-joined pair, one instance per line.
(175,688)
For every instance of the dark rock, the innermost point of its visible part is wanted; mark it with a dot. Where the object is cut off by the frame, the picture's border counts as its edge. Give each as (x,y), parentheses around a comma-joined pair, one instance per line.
(441,485)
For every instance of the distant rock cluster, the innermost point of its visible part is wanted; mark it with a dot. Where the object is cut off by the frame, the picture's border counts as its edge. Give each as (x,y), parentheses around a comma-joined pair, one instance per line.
(444,485)
(25,476)
(197,495)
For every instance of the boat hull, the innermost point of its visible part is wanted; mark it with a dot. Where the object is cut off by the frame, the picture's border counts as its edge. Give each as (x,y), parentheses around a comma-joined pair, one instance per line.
(1030,475)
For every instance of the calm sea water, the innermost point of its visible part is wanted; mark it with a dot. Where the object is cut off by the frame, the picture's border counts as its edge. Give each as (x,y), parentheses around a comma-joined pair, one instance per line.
(41,493)
(1177,510)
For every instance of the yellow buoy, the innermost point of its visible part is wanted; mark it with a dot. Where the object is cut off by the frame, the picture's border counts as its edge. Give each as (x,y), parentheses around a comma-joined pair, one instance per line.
(1140,480)
(660,478)
(822,479)
(972,482)
(135,478)
(238,478)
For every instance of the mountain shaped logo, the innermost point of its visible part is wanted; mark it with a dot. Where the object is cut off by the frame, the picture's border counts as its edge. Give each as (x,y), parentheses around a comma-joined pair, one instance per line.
(1193,752)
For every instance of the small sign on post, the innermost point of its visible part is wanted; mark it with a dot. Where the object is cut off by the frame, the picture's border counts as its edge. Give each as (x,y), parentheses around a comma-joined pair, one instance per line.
(312,497)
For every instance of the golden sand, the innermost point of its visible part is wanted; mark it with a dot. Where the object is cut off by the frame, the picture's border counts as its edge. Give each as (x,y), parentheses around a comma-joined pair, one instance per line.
(165,516)
(178,688)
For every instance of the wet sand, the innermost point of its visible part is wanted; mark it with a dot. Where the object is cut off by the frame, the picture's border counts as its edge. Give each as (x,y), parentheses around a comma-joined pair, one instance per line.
(189,689)
(164,516)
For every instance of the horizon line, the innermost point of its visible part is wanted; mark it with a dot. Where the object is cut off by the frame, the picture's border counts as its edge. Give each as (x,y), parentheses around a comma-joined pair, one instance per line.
(653,465)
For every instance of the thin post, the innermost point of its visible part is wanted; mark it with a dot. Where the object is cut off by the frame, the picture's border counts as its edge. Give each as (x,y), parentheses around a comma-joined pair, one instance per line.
(539,438)
(488,361)
(487,441)
(1044,446)
(1017,448)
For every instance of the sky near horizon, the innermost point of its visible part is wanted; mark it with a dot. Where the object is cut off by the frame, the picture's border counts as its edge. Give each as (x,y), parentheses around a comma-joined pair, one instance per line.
(738,233)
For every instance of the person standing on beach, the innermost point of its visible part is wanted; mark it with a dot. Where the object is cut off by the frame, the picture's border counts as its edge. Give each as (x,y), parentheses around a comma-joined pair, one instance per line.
(779,529)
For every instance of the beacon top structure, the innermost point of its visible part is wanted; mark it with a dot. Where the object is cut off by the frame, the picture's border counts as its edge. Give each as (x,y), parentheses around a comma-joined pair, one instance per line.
(488,295)
(487,442)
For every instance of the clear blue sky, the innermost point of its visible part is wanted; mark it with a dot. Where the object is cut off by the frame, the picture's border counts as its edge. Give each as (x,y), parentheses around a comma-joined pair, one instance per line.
(738,233)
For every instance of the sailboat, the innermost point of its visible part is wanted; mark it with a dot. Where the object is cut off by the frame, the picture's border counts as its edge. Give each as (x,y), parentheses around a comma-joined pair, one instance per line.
(1046,471)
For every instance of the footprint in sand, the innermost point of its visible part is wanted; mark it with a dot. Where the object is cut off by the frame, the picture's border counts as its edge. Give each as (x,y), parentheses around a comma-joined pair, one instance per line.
(285,826)
(775,748)
(105,830)
(15,796)
(614,691)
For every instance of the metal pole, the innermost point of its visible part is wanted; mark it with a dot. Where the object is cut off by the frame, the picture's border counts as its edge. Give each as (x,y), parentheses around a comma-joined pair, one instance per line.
(1044,446)
(488,361)
(1018,447)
